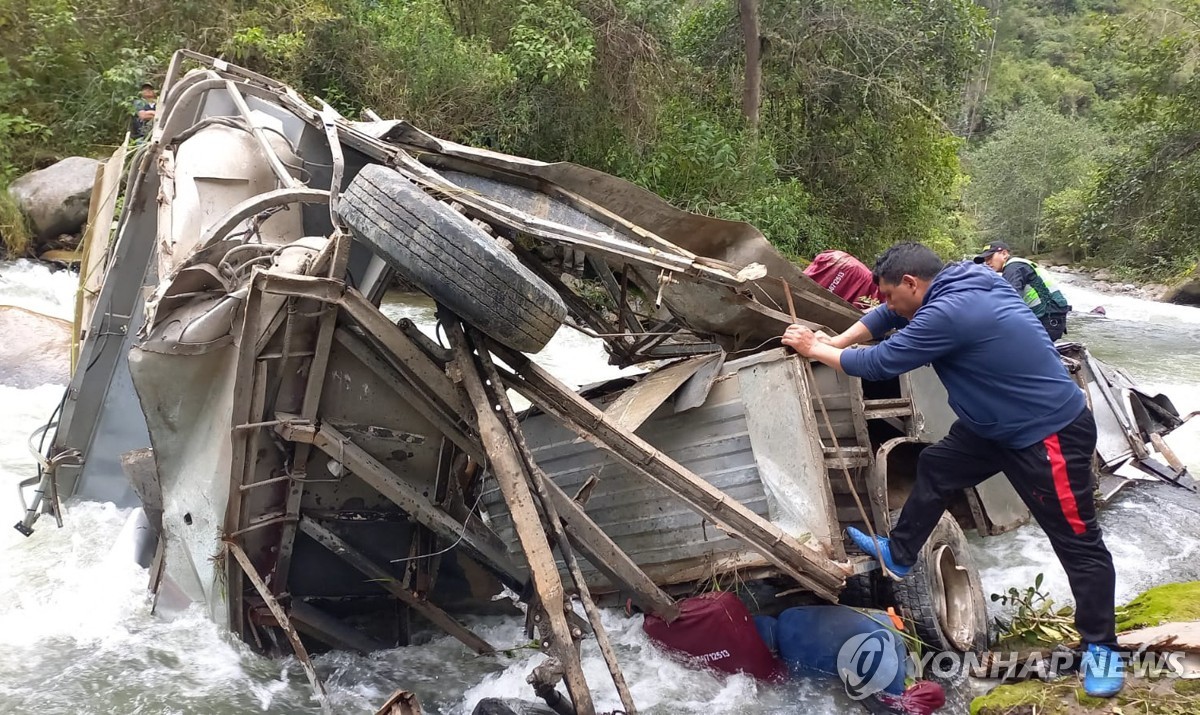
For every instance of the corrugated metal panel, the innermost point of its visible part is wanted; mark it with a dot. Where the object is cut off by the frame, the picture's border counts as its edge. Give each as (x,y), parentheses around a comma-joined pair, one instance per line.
(650,524)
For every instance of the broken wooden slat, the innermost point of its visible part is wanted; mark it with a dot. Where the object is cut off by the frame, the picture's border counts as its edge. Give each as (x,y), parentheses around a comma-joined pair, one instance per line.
(402,702)
(539,480)
(507,470)
(371,471)
(821,575)
(386,580)
(281,618)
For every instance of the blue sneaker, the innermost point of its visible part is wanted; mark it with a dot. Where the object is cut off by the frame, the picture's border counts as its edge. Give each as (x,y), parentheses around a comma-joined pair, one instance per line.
(1103,672)
(864,542)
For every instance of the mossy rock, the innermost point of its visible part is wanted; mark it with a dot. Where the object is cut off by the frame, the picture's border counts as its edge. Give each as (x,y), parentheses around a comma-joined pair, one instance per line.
(1031,696)
(1066,697)
(1162,604)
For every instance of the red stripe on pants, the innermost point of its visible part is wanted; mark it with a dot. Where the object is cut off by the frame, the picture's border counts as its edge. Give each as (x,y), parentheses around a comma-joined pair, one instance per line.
(1062,484)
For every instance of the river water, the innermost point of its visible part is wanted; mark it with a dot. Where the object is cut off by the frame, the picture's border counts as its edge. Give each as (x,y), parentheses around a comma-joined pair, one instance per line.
(76,635)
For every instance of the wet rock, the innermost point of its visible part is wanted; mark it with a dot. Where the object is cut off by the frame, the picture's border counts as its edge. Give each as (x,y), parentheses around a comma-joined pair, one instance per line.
(55,199)
(1102,275)
(36,349)
(1154,291)
(1185,292)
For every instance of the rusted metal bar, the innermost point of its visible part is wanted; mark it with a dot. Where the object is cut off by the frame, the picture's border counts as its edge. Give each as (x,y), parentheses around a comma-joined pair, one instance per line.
(387,483)
(539,480)
(381,576)
(248,397)
(507,469)
(440,400)
(286,625)
(619,293)
(317,367)
(276,164)
(822,576)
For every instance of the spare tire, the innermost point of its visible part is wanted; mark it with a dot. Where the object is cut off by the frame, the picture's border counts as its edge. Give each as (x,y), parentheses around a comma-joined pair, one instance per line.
(942,596)
(453,260)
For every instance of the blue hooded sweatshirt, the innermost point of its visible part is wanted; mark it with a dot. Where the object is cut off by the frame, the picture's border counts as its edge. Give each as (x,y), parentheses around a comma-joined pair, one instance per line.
(1001,371)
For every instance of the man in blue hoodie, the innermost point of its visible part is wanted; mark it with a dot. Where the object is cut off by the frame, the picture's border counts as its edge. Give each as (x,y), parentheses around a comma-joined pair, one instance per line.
(1018,412)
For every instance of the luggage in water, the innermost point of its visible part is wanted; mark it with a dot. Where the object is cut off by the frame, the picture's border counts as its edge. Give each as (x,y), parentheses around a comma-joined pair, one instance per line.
(716,630)
(811,638)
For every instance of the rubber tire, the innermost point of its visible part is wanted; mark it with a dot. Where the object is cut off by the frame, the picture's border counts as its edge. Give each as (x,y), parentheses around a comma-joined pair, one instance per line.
(861,591)
(453,260)
(914,596)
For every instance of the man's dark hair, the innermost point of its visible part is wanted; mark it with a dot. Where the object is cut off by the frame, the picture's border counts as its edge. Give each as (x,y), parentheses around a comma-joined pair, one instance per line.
(906,259)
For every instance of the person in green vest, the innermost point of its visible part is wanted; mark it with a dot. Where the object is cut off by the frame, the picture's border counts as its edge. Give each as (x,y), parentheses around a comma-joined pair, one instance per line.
(1036,288)
(145,109)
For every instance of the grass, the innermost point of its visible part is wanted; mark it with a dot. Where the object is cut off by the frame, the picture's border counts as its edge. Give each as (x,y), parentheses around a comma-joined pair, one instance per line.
(1171,602)
(14,230)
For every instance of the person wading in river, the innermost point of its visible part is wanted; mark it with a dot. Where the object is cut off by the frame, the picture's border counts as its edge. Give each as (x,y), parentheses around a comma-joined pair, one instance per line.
(1018,412)
(1037,289)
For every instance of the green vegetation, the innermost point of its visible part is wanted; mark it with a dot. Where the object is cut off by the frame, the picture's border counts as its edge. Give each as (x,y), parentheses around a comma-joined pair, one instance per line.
(1035,618)
(1084,122)
(850,148)
(1065,697)
(1057,125)
(14,232)
(1163,604)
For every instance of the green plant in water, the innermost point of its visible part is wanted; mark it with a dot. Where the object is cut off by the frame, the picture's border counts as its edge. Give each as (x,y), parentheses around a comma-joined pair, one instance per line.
(1036,620)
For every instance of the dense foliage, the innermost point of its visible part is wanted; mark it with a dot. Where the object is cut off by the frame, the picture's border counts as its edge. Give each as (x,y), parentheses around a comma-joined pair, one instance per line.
(1076,120)
(853,147)
(1085,123)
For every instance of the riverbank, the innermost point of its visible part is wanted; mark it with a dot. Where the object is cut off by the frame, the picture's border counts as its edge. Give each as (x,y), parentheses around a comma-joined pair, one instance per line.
(1161,624)
(1106,280)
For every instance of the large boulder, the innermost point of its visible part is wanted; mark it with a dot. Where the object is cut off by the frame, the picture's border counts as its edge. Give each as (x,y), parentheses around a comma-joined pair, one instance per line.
(36,349)
(55,199)
(1186,291)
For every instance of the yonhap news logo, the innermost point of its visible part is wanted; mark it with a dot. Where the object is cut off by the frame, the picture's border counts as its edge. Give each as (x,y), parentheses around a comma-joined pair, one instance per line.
(869,662)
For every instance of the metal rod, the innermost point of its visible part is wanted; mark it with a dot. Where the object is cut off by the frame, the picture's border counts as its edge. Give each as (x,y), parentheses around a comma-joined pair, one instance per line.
(280,171)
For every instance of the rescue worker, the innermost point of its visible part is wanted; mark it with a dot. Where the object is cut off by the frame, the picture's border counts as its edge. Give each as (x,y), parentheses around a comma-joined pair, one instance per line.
(1018,412)
(1037,289)
(145,109)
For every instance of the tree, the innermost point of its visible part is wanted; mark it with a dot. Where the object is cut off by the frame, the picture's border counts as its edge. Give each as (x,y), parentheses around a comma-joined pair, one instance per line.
(752,81)
(1036,154)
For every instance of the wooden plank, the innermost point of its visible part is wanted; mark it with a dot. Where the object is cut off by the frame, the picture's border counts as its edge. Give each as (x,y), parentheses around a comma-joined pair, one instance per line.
(507,470)
(247,394)
(539,480)
(387,483)
(381,576)
(281,618)
(821,575)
